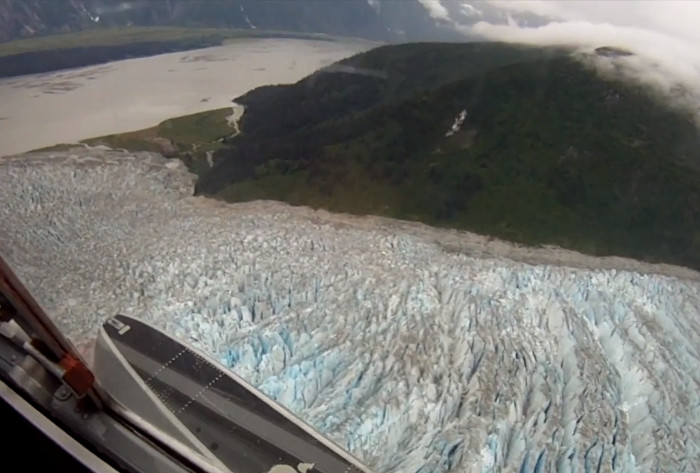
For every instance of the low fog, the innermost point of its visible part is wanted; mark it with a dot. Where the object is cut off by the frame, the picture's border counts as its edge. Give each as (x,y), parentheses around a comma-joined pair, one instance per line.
(664,37)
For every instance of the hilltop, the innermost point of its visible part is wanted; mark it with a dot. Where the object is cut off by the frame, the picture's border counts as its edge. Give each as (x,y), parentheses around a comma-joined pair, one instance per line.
(525,144)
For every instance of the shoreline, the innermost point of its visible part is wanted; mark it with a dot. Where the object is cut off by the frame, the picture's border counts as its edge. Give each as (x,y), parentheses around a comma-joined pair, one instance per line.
(460,242)
(449,240)
(81,104)
(469,244)
(86,48)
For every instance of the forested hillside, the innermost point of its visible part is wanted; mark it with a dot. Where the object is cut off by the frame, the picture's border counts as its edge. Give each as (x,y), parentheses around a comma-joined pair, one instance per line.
(543,151)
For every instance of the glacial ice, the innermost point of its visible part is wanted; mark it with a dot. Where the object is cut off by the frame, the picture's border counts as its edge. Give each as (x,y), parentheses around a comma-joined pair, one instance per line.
(412,355)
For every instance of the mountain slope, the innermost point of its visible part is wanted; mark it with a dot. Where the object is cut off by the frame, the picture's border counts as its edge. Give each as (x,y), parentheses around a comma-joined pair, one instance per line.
(380,20)
(544,150)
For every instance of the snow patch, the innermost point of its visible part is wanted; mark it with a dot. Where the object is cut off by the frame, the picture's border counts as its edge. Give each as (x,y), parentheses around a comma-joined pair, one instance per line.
(247,20)
(414,358)
(237,112)
(457,125)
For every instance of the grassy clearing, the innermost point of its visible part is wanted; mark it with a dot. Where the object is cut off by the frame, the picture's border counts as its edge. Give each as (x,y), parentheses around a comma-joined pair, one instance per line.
(189,137)
(188,132)
(141,140)
(199,128)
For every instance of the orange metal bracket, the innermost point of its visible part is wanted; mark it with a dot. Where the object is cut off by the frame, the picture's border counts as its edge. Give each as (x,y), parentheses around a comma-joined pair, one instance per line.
(77,375)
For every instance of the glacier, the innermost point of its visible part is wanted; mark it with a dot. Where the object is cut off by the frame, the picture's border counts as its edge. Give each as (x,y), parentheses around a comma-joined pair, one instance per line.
(419,350)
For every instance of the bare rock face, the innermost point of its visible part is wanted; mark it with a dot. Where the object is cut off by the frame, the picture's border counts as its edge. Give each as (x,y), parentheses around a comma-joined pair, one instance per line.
(386,20)
(25,18)
(416,348)
(383,20)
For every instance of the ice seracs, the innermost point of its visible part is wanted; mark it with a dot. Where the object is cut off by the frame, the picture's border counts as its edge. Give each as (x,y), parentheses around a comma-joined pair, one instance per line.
(415,356)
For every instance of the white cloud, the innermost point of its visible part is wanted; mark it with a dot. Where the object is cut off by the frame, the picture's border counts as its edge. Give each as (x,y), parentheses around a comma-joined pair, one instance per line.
(664,35)
(435,9)
(470,10)
(677,18)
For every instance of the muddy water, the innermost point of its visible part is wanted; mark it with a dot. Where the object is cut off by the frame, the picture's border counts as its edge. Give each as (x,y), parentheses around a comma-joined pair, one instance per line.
(66,106)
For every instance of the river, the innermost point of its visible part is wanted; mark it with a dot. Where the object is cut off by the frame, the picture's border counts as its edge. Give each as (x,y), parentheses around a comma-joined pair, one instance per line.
(67,106)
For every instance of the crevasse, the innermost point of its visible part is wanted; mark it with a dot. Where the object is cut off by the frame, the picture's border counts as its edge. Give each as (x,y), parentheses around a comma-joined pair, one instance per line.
(414,358)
